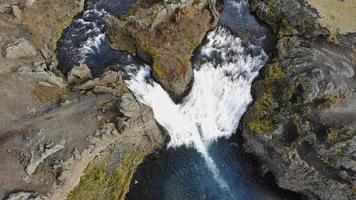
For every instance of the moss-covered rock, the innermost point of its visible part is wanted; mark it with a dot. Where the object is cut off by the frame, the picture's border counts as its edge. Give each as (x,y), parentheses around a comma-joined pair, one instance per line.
(279,13)
(103,179)
(45,20)
(269,100)
(91,182)
(164,35)
(301,123)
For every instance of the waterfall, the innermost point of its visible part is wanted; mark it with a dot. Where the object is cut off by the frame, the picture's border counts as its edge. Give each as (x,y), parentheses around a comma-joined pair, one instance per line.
(219,96)
(223,75)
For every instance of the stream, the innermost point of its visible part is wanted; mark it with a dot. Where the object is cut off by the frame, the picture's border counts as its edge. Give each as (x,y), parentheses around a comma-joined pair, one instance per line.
(203,159)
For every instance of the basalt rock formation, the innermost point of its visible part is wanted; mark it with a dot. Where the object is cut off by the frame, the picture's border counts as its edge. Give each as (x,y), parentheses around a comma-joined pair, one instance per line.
(302,123)
(165,34)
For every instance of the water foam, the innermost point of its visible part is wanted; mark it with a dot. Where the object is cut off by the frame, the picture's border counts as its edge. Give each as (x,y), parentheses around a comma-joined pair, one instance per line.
(92,21)
(220,95)
(92,45)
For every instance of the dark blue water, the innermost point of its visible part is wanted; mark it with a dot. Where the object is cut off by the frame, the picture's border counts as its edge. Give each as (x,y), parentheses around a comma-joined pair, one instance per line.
(114,7)
(251,30)
(85,41)
(181,173)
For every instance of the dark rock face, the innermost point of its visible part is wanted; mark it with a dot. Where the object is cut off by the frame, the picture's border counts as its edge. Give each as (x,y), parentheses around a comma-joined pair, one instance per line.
(302,123)
(165,34)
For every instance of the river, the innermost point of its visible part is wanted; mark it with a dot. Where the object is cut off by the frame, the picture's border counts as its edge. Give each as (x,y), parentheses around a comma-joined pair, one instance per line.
(203,159)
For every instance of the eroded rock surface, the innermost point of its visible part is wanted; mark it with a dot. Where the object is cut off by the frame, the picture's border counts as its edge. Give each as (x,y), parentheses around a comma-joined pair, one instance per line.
(79,74)
(25,196)
(21,48)
(53,131)
(302,124)
(48,150)
(165,34)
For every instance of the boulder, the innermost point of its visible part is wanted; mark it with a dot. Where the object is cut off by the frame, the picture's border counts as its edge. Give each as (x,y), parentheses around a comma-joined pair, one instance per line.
(127,105)
(21,48)
(79,74)
(29,3)
(16,12)
(25,196)
(43,76)
(110,82)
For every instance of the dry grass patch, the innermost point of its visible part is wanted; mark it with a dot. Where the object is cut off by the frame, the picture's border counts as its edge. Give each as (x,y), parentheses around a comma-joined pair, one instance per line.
(49,94)
(336,15)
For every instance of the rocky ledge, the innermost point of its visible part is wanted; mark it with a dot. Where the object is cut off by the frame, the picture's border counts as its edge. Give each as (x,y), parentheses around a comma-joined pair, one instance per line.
(63,137)
(165,34)
(302,124)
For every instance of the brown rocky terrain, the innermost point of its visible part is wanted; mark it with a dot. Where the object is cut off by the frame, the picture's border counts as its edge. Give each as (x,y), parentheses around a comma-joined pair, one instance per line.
(63,136)
(73,136)
(302,123)
(153,29)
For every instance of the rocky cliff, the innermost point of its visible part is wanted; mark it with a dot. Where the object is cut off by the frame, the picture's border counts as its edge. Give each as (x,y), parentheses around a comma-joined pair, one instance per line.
(62,136)
(165,34)
(302,122)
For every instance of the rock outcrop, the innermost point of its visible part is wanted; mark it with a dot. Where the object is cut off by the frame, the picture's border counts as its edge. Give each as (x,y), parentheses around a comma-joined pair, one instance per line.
(25,196)
(45,31)
(53,131)
(43,76)
(47,151)
(20,48)
(302,122)
(165,34)
(79,74)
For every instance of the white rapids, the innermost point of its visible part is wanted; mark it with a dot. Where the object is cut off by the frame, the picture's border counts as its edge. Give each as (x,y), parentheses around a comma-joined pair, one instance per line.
(219,96)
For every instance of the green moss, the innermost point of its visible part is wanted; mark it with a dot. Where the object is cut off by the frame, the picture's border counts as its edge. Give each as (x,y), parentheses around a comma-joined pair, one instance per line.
(332,137)
(270,99)
(261,126)
(168,40)
(122,42)
(119,181)
(149,48)
(275,71)
(331,101)
(263,117)
(90,183)
(128,47)
(326,161)
(335,136)
(287,96)
(58,30)
(286,29)
(160,72)
(340,151)
(101,182)
(262,106)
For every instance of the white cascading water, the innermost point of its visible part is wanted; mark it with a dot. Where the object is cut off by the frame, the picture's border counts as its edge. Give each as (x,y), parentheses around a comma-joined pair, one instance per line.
(220,95)
(92,45)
